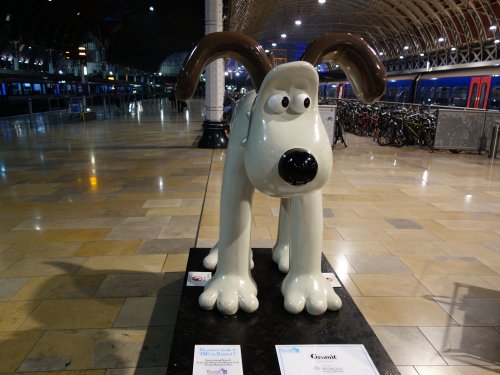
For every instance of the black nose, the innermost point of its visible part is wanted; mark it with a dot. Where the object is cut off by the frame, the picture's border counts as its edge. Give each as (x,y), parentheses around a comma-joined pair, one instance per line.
(297,166)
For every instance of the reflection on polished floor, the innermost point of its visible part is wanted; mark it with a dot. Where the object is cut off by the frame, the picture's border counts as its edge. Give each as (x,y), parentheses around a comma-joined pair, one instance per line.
(96,221)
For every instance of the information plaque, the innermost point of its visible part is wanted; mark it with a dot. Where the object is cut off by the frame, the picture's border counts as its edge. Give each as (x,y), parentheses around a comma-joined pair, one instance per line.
(350,359)
(217,360)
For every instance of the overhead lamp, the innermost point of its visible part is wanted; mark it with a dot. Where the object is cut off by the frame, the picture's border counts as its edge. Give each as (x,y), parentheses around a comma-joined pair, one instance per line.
(283,35)
(298,22)
(226,74)
(381,54)
(151,8)
(453,49)
(493,27)
(406,48)
(274,44)
(401,57)
(321,1)
(496,41)
(422,54)
(440,39)
(266,51)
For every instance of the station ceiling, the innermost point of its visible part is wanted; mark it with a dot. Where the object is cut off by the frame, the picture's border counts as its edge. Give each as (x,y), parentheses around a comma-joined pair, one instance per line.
(134,35)
(393,27)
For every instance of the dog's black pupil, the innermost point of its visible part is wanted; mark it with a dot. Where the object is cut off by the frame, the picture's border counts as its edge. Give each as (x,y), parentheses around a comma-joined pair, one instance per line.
(285,101)
(307,102)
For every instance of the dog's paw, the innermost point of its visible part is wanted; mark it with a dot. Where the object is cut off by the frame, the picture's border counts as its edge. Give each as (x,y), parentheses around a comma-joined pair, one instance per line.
(309,291)
(281,256)
(230,293)
(210,261)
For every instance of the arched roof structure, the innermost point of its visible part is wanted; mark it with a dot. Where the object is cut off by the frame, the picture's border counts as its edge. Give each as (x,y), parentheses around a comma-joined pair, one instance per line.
(393,27)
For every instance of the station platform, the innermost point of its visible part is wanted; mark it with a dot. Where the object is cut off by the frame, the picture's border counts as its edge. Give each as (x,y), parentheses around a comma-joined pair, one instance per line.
(97,219)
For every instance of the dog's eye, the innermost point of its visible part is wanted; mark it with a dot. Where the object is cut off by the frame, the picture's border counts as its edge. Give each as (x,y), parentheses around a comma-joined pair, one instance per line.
(300,103)
(278,103)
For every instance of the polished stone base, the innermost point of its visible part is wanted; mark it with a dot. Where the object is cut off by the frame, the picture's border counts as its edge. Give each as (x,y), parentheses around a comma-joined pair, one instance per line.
(259,332)
(214,135)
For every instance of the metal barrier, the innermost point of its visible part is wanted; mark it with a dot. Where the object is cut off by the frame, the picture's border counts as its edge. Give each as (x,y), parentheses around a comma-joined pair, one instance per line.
(464,130)
(495,135)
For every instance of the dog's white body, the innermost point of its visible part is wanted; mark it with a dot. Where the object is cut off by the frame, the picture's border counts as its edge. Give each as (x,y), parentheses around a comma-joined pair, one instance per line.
(261,134)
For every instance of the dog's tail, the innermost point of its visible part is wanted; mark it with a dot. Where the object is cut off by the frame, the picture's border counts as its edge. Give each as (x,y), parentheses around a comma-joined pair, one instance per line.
(357,59)
(223,44)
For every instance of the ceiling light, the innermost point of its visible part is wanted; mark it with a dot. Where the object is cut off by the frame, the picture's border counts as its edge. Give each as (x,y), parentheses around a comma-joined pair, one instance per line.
(273,44)
(321,1)
(266,51)
(283,35)
(226,73)
(380,53)
(441,39)
(422,54)
(298,22)
(406,48)
(401,57)
(496,41)
(151,8)
(493,27)
(453,49)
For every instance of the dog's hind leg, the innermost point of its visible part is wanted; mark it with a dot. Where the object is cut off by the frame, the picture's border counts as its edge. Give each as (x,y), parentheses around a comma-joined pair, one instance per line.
(281,249)
(304,286)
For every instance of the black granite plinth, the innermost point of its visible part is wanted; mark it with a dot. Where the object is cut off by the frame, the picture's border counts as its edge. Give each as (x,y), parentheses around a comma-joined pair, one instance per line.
(270,325)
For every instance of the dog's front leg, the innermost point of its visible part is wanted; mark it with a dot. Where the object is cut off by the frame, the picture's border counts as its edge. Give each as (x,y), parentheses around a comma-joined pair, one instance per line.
(304,285)
(232,286)
(282,247)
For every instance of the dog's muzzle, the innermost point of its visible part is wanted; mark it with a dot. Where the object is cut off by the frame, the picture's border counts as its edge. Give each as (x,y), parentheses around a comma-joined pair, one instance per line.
(297,166)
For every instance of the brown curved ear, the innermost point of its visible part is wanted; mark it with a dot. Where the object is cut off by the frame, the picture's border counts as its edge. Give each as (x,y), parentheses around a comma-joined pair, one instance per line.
(359,62)
(222,44)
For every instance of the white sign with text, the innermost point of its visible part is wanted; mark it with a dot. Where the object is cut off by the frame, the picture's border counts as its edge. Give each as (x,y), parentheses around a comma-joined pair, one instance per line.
(217,360)
(325,359)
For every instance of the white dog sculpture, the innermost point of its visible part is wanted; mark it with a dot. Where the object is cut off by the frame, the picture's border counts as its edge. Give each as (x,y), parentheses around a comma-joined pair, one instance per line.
(278,145)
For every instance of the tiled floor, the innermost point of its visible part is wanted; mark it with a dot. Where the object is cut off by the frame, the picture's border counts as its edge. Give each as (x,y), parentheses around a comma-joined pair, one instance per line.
(96,221)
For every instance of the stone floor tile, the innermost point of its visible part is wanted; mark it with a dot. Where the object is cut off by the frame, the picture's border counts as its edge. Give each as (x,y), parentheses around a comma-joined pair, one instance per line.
(58,235)
(175,263)
(389,285)
(473,311)
(142,285)
(14,313)
(172,232)
(404,223)
(133,233)
(10,286)
(458,285)
(44,267)
(457,370)
(108,247)
(407,370)
(14,346)
(73,314)
(462,346)
(148,312)
(59,287)
(403,311)
(446,265)
(408,346)
(386,264)
(123,264)
(41,249)
(166,246)
(99,349)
